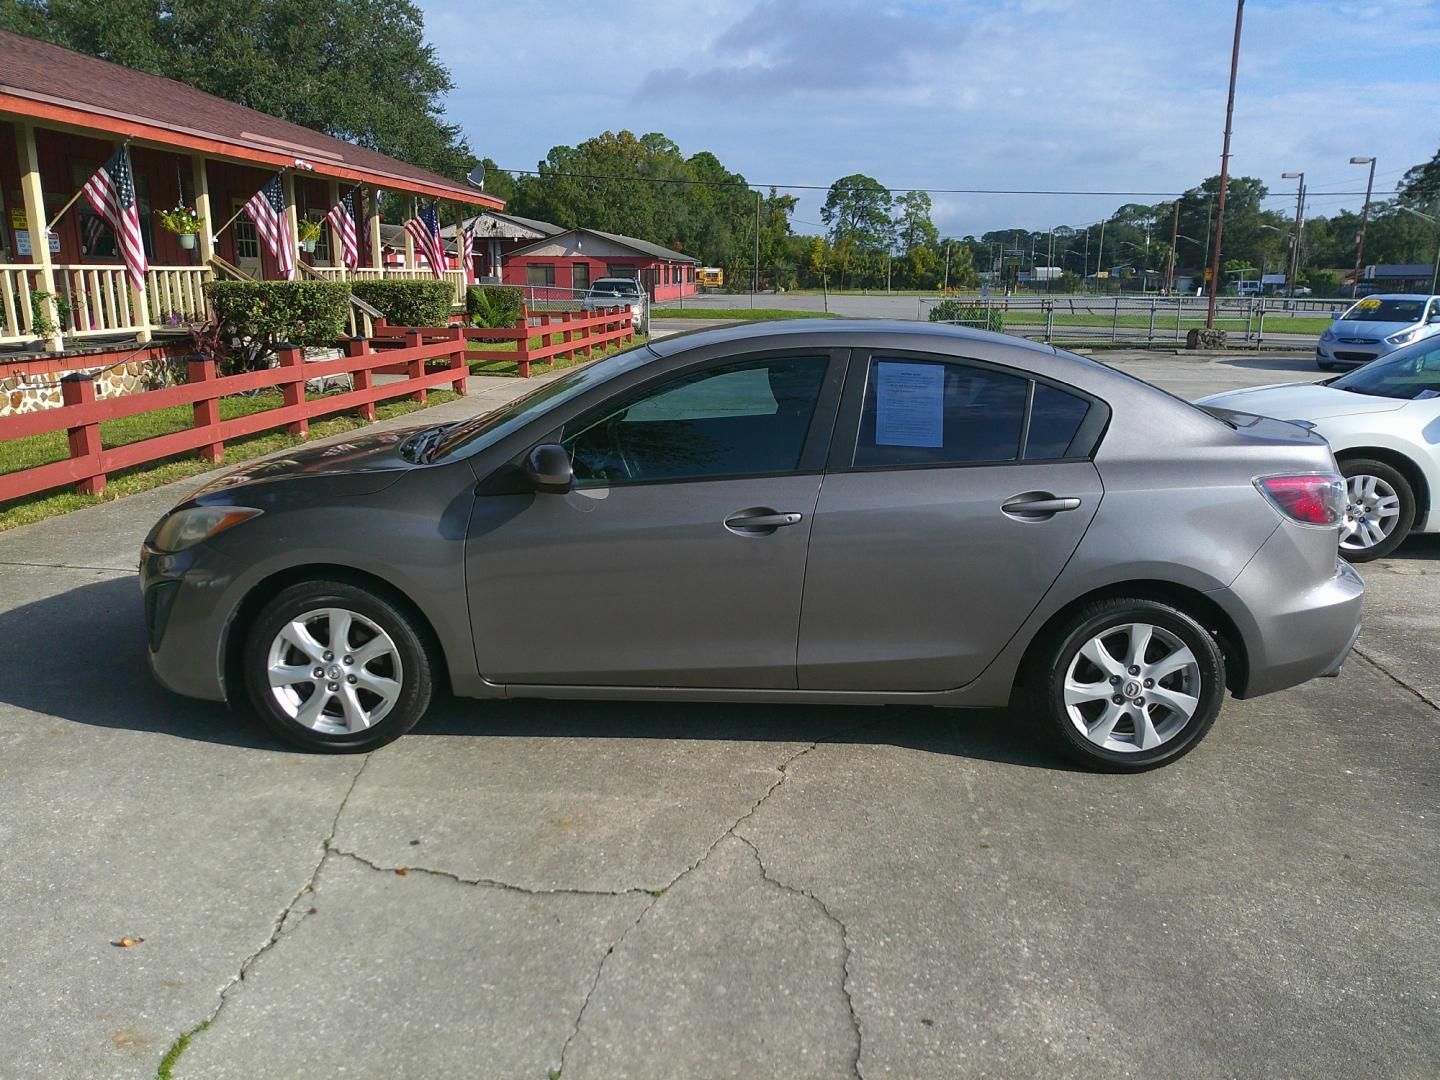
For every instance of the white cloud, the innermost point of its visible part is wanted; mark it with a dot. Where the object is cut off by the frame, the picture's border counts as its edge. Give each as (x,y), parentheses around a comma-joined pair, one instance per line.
(1107,95)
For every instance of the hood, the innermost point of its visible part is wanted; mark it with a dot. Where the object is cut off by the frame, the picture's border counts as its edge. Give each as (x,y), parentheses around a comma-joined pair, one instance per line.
(1301,401)
(1370,331)
(355,466)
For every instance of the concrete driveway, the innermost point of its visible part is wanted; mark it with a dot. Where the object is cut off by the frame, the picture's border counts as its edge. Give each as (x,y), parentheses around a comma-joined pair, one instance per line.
(645,890)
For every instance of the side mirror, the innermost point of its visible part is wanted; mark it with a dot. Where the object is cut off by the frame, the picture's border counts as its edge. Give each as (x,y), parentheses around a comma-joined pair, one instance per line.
(547,468)
(1335,316)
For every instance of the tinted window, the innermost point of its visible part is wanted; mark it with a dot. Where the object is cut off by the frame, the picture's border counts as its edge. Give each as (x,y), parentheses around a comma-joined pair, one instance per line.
(738,419)
(1055,417)
(920,412)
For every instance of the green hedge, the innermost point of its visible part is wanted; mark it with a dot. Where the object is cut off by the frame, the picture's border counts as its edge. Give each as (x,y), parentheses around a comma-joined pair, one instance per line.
(408,303)
(266,313)
(969,313)
(494,305)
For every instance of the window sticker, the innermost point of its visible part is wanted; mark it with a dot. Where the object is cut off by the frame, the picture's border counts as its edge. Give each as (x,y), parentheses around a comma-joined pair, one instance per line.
(1366,305)
(910,404)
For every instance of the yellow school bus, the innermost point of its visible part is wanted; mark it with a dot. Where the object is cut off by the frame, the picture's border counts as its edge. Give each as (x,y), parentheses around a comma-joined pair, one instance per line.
(710,277)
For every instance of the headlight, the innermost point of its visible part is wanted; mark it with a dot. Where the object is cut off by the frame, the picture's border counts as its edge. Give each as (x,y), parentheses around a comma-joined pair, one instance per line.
(185,528)
(1328,334)
(1402,337)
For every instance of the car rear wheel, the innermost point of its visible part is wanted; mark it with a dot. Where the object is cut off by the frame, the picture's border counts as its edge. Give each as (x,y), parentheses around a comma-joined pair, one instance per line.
(1379,509)
(335,668)
(1128,684)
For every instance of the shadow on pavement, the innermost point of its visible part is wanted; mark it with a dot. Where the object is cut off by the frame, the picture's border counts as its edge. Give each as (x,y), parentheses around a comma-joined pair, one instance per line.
(1275,363)
(111,686)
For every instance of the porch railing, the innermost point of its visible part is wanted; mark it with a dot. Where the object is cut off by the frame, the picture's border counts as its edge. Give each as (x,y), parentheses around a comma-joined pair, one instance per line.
(17,315)
(177,291)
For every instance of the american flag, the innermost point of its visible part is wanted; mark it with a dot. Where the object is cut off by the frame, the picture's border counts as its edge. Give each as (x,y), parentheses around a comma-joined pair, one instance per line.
(424,228)
(342,218)
(266,209)
(467,249)
(111,191)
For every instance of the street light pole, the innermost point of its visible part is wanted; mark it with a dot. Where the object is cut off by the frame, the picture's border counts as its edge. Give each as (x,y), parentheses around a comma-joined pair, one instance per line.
(1364,219)
(1299,225)
(1174,238)
(1434,274)
(1224,167)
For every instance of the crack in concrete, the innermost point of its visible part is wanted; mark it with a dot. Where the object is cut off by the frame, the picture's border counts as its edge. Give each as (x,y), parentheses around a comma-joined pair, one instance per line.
(846,977)
(484,883)
(117,570)
(657,895)
(277,931)
(1395,678)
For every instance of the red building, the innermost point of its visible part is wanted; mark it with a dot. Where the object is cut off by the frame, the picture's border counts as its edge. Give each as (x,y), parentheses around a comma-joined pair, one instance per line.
(62,114)
(555,261)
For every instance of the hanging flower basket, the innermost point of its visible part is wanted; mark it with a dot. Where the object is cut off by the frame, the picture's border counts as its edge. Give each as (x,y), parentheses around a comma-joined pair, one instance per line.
(183,221)
(309,234)
(187,240)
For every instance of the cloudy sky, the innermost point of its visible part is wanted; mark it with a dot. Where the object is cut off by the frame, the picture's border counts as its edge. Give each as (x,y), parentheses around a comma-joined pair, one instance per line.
(1086,95)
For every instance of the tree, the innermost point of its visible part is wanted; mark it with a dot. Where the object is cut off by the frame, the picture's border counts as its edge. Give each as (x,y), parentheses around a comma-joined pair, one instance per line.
(356,69)
(857,210)
(1420,186)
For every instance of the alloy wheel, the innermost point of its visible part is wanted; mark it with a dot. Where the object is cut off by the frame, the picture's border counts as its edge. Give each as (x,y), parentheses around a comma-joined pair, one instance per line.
(1372,510)
(1132,687)
(334,671)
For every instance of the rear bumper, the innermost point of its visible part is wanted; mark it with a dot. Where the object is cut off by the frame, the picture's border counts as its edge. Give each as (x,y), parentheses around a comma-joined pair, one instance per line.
(1295,628)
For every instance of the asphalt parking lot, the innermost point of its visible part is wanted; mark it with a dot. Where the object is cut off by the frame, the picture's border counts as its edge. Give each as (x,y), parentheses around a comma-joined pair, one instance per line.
(532,889)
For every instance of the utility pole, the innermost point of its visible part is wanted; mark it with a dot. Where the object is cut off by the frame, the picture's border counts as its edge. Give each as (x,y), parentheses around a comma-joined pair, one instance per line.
(1085,270)
(1174,239)
(1224,168)
(1100,254)
(1299,227)
(945,288)
(1364,218)
(755,284)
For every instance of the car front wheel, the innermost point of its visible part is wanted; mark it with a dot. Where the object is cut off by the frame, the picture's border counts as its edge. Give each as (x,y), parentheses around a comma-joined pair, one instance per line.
(1128,684)
(335,668)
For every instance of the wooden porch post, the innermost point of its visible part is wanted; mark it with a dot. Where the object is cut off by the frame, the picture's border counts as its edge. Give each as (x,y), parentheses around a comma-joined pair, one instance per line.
(337,256)
(409,240)
(202,207)
(377,260)
(287,182)
(33,194)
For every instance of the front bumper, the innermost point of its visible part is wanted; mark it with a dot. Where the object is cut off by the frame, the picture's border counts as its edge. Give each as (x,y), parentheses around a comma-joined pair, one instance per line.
(187,610)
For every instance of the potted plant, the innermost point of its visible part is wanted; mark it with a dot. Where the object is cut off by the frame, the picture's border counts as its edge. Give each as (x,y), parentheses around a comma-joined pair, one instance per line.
(183,221)
(309,233)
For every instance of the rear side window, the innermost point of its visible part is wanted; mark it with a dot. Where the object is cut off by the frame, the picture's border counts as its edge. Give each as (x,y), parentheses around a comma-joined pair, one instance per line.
(1055,419)
(921,412)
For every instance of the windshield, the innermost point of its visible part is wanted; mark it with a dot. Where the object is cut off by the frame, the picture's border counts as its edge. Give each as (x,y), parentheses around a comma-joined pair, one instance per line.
(1411,374)
(475,435)
(615,288)
(1372,309)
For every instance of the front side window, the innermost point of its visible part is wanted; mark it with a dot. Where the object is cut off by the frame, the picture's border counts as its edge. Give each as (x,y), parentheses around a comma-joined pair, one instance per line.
(921,412)
(744,418)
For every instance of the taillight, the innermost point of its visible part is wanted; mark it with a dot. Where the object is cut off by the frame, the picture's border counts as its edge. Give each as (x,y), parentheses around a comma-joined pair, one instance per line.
(1309,498)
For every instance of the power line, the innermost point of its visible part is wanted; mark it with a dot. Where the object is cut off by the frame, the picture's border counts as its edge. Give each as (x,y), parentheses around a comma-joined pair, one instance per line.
(749,184)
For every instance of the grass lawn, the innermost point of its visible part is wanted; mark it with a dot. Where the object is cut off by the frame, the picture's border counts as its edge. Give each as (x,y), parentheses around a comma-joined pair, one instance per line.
(495,357)
(739,313)
(34,450)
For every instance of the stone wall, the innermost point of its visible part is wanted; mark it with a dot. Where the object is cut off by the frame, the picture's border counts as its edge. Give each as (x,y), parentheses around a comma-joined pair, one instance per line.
(24,391)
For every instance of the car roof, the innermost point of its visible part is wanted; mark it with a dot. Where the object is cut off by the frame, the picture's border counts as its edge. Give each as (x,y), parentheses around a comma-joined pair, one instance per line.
(627,280)
(782,330)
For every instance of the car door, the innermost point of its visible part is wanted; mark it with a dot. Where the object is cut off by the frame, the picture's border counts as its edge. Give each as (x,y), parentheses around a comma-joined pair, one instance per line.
(955,494)
(678,558)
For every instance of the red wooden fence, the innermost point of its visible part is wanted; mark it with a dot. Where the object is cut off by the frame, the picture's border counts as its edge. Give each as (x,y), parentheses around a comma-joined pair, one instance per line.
(581,333)
(81,414)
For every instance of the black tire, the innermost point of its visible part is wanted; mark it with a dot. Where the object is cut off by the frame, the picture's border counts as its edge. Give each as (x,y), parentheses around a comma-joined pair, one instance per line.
(1403,492)
(416,665)
(1051,659)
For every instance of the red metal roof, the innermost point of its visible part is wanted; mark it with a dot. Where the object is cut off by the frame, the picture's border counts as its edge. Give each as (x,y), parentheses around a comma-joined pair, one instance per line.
(57,86)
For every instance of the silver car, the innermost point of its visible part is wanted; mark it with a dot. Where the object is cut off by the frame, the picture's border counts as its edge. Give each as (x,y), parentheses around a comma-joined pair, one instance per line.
(818,511)
(1376,326)
(618,292)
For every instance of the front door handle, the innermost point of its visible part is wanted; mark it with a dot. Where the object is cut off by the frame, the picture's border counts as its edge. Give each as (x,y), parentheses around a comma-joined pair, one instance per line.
(1038,505)
(760,521)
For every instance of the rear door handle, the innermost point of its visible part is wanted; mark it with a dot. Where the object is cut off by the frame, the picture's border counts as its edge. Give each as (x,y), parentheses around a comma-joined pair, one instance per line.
(1038,505)
(760,521)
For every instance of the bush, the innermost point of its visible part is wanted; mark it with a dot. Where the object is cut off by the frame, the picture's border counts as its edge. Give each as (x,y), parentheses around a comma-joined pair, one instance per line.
(408,303)
(969,313)
(262,315)
(494,305)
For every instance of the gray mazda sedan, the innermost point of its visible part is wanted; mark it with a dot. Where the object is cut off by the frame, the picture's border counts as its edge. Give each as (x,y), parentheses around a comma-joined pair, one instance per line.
(846,512)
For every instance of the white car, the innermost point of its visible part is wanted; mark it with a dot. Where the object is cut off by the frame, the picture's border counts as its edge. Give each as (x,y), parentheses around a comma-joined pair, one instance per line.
(1383,424)
(619,292)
